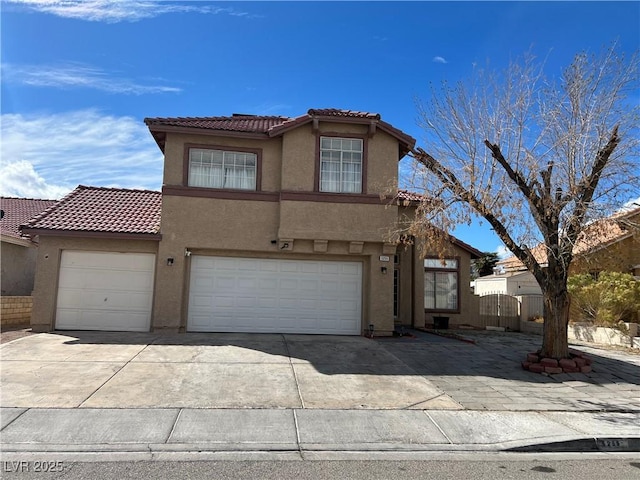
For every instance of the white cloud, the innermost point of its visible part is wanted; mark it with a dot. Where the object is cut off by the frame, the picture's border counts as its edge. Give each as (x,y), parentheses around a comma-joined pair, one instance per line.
(439,60)
(19,179)
(49,154)
(77,75)
(114,11)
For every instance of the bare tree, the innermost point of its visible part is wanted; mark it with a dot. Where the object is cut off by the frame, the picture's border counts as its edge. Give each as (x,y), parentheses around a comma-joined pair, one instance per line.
(536,157)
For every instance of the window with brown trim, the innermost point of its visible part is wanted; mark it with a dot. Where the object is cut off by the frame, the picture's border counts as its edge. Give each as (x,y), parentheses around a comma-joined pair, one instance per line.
(442,284)
(341,164)
(222,169)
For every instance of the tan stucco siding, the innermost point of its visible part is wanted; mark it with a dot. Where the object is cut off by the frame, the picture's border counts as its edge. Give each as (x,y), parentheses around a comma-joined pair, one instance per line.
(382,164)
(270,158)
(300,158)
(18,268)
(336,221)
(48,268)
(218,223)
(621,256)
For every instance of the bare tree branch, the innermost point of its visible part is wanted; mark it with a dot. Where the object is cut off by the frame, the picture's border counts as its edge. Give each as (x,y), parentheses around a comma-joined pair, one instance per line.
(536,157)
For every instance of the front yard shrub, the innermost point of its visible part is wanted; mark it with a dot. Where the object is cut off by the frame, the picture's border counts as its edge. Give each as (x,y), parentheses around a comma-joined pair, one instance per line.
(608,301)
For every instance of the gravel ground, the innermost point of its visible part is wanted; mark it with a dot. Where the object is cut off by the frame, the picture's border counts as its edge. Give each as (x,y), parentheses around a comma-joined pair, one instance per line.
(14,332)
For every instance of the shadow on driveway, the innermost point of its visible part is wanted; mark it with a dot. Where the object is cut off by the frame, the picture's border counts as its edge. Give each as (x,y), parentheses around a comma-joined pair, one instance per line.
(495,354)
(319,371)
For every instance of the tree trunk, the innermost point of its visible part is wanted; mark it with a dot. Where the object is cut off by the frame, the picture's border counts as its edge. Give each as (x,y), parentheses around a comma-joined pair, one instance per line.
(555,343)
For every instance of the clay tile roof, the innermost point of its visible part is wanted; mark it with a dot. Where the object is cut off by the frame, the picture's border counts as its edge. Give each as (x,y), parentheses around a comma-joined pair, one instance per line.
(18,211)
(235,123)
(102,210)
(335,112)
(596,235)
(245,124)
(409,196)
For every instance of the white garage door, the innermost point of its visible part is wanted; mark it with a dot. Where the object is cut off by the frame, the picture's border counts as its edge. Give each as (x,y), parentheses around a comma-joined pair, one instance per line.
(105,291)
(279,296)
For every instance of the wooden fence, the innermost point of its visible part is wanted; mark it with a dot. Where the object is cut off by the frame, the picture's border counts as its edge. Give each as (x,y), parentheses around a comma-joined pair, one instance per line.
(499,310)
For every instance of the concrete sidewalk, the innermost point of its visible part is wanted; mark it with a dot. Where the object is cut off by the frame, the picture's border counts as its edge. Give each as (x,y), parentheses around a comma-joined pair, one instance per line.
(152,433)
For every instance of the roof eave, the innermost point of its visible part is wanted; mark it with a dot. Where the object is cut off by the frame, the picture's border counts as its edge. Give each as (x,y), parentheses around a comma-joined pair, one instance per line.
(159,133)
(23,242)
(92,234)
(407,142)
(475,253)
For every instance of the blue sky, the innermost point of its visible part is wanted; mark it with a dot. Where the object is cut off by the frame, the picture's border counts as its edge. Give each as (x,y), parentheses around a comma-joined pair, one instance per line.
(79,77)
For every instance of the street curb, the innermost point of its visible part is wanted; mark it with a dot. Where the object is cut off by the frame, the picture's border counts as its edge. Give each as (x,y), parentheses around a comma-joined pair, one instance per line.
(578,445)
(595,444)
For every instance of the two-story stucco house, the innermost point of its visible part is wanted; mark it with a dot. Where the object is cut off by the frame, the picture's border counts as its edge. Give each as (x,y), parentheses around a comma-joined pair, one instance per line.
(264,224)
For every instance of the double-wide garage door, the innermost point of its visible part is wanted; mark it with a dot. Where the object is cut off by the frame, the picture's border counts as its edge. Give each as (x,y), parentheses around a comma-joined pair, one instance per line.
(105,291)
(228,294)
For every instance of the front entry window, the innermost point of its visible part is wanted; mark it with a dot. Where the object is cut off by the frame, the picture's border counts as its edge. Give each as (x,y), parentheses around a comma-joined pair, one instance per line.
(441,284)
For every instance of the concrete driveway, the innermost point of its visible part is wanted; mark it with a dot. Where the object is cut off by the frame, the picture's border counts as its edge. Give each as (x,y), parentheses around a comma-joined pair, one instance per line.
(129,370)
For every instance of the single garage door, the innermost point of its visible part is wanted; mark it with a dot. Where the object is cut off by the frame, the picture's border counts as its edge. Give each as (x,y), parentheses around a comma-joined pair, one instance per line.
(105,291)
(229,294)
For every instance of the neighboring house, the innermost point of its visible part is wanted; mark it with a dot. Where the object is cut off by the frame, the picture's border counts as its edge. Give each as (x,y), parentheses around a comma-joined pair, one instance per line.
(264,224)
(510,283)
(18,252)
(610,244)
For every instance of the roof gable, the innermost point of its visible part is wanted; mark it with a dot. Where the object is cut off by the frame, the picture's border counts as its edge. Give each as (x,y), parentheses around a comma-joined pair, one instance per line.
(101,210)
(262,126)
(405,198)
(346,116)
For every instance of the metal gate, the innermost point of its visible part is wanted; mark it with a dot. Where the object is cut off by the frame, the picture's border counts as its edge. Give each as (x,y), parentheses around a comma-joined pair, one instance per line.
(499,310)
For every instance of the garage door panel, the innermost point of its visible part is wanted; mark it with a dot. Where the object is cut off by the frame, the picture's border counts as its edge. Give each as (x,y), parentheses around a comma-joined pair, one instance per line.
(222,301)
(224,283)
(311,285)
(287,284)
(248,284)
(105,291)
(247,302)
(267,285)
(266,266)
(222,263)
(270,295)
(308,305)
(348,269)
(331,269)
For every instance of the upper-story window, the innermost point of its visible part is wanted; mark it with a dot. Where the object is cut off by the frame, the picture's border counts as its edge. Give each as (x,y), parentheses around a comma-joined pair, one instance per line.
(340,165)
(222,169)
